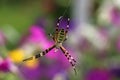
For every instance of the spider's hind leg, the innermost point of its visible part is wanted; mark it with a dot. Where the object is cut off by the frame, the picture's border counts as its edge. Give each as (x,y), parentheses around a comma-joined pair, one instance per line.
(71,60)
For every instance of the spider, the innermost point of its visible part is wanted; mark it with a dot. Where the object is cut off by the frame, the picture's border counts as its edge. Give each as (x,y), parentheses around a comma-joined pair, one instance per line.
(59,37)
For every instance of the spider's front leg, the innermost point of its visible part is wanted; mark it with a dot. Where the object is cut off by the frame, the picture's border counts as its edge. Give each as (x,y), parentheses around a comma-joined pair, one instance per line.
(68,25)
(31,58)
(67,28)
(40,54)
(56,49)
(58,24)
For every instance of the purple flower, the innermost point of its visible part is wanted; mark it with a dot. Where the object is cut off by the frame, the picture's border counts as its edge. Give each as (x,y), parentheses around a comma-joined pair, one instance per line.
(115,16)
(47,70)
(98,74)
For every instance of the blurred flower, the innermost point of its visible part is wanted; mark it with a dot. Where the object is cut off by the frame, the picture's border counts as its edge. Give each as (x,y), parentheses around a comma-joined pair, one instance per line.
(103,15)
(91,34)
(115,72)
(47,70)
(98,74)
(32,64)
(116,3)
(83,45)
(7,65)
(16,55)
(38,36)
(103,31)
(115,16)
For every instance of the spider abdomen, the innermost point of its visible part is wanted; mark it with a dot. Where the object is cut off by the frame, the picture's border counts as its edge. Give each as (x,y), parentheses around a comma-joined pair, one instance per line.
(61,36)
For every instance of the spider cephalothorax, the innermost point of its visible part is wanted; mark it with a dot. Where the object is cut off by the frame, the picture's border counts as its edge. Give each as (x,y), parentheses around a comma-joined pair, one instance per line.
(59,37)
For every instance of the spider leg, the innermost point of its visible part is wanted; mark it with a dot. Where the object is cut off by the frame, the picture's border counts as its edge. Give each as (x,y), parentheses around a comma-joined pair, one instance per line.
(71,60)
(67,54)
(31,58)
(58,24)
(68,22)
(57,29)
(40,53)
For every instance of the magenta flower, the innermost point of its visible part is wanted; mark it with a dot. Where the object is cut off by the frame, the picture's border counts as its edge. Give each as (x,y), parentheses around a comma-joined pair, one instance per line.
(38,36)
(6,65)
(98,74)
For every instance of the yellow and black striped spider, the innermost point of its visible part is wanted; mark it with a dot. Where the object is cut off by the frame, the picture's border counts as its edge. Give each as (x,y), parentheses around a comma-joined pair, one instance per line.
(59,37)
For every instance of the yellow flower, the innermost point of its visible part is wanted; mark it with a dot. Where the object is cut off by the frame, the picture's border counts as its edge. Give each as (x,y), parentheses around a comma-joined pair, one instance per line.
(32,63)
(16,55)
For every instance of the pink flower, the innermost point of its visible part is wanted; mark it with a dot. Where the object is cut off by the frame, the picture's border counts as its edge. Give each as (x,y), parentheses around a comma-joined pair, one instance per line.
(38,36)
